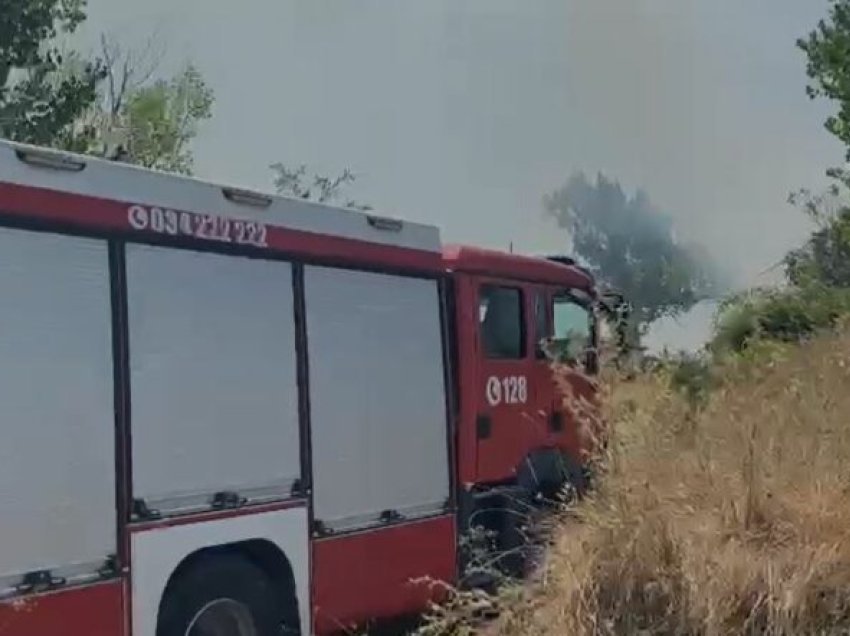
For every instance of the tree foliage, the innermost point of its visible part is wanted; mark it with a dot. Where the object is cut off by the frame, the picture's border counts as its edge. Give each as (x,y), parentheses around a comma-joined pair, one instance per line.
(629,245)
(817,293)
(38,103)
(162,120)
(827,48)
(111,107)
(789,314)
(320,188)
(825,257)
(140,119)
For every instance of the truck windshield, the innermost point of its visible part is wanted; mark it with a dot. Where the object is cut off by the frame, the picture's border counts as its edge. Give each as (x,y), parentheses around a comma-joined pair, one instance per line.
(573,329)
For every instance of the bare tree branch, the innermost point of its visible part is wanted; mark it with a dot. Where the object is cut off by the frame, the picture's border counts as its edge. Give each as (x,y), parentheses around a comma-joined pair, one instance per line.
(128,69)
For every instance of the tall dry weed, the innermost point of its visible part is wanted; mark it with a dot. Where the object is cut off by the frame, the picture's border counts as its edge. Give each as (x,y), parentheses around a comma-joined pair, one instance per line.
(734,519)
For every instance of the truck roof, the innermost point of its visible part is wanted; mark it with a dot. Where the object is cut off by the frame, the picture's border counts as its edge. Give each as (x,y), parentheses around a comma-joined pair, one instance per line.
(477,260)
(87,191)
(36,178)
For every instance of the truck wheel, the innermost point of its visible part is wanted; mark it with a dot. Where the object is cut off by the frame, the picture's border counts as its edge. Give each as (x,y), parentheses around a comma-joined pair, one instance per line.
(222,596)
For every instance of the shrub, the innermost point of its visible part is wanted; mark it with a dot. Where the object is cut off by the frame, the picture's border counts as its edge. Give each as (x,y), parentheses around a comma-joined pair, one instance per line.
(786,315)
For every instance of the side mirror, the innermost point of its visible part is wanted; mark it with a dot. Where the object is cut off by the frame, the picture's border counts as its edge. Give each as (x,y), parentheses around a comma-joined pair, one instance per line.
(542,348)
(615,305)
(618,311)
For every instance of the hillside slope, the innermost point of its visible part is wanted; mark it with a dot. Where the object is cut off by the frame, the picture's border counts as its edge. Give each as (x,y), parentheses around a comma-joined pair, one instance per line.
(732,520)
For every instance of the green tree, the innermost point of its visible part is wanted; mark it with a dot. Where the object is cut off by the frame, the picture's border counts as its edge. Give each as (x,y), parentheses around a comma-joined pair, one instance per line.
(817,295)
(38,103)
(630,246)
(828,51)
(162,121)
(824,259)
(142,120)
(320,188)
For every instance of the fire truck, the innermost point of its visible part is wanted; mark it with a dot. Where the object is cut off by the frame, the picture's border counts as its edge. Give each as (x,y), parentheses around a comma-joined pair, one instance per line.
(228,413)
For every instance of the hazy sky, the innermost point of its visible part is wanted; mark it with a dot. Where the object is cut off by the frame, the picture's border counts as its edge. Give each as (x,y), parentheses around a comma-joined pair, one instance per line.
(465,113)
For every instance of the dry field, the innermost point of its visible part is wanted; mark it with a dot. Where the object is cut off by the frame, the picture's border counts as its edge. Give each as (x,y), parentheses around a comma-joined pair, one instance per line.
(729,519)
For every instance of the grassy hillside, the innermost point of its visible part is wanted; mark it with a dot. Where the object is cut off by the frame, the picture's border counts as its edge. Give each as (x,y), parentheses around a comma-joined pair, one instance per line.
(731,518)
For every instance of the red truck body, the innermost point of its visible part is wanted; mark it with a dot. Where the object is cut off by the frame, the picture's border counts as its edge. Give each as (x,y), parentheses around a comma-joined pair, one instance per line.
(201,384)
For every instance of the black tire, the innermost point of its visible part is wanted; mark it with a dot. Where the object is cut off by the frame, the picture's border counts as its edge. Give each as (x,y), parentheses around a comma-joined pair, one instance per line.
(219,578)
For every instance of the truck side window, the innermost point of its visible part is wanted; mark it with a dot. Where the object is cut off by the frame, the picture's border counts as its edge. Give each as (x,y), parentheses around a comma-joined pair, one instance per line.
(573,329)
(501,322)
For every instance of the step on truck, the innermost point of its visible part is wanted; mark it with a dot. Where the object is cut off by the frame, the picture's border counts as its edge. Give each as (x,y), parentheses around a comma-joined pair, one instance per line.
(228,413)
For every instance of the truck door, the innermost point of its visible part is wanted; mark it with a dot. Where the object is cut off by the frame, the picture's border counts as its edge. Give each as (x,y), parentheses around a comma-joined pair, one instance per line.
(574,342)
(505,364)
(547,427)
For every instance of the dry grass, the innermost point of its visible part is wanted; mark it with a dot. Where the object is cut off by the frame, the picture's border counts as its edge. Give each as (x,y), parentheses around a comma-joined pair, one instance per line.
(731,520)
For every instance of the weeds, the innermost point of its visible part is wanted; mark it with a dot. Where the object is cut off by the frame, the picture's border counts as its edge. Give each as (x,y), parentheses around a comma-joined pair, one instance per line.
(731,519)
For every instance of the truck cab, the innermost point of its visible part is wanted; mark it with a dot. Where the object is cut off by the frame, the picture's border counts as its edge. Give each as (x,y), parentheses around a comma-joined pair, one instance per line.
(513,315)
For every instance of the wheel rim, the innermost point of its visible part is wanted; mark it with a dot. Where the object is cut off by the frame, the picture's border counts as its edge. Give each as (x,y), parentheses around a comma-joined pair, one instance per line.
(223,617)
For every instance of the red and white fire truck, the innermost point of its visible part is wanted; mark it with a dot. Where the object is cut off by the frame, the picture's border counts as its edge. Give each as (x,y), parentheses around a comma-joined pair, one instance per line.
(228,413)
